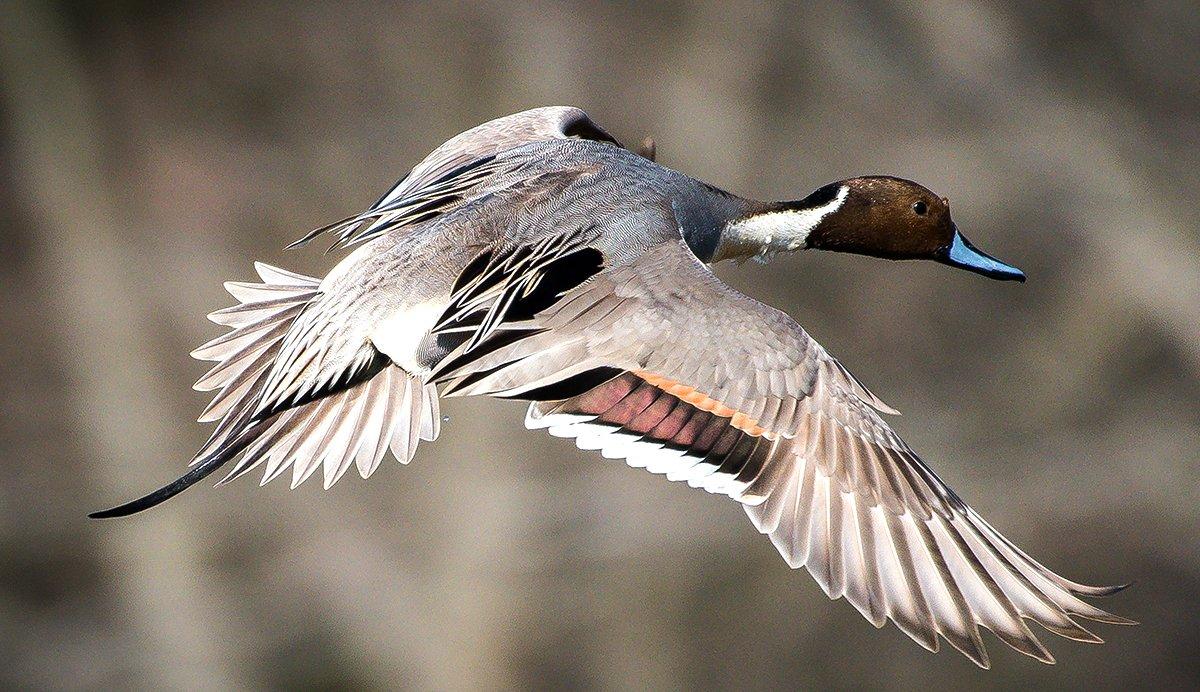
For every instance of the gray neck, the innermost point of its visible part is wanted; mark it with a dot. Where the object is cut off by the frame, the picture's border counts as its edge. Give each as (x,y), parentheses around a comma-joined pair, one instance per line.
(776,228)
(703,211)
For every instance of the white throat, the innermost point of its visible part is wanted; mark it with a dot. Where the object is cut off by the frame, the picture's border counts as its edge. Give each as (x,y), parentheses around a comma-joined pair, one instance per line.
(763,235)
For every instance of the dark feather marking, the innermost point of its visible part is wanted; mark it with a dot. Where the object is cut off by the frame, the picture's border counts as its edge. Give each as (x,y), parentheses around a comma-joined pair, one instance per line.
(462,170)
(472,271)
(433,205)
(201,470)
(756,460)
(707,437)
(517,285)
(425,202)
(470,379)
(739,455)
(390,189)
(448,175)
(584,128)
(356,219)
(570,387)
(820,196)
(420,218)
(345,380)
(454,340)
(558,277)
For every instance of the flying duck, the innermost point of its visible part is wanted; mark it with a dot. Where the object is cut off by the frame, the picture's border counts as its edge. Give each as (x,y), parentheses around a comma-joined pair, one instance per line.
(534,257)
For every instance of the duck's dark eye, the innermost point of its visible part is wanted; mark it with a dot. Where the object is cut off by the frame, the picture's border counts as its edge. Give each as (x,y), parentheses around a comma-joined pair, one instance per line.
(920,208)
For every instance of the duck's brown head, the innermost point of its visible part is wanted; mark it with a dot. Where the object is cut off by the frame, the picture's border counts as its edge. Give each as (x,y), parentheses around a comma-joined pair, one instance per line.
(880,216)
(893,218)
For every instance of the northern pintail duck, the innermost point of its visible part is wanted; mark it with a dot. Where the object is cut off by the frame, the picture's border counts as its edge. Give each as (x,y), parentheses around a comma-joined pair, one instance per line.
(533,257)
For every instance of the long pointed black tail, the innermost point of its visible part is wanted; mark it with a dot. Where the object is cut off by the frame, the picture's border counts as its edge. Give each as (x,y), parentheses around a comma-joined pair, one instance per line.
(199,472)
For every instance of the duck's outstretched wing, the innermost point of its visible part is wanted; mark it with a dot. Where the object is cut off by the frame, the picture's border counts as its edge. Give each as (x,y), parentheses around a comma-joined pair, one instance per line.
(449,175)
(719,390)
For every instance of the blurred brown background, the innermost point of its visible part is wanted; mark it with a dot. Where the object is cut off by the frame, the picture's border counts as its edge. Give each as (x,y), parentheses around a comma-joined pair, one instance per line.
(150,151)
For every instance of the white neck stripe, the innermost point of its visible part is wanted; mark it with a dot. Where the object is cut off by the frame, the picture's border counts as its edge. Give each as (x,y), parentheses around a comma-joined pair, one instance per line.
(763,235)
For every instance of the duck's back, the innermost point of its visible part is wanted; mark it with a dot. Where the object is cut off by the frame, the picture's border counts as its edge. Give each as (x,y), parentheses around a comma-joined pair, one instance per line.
(552,187)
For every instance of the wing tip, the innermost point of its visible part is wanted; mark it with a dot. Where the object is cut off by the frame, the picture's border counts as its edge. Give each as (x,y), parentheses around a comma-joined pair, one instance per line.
(1105,591)
(1097,614)
(972,648)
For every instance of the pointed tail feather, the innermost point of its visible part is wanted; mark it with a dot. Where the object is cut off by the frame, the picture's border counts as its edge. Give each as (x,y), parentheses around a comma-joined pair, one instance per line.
(199,472)
(352,419)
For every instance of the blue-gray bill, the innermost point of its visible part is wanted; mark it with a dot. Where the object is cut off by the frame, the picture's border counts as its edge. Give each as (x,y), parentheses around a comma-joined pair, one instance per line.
(964,255)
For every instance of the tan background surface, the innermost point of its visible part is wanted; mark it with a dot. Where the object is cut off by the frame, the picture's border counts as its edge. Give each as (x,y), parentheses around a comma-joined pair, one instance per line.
(149,151)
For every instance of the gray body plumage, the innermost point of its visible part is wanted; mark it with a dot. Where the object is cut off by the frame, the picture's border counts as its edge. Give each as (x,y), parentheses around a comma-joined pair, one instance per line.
(533,257)
(622,203)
